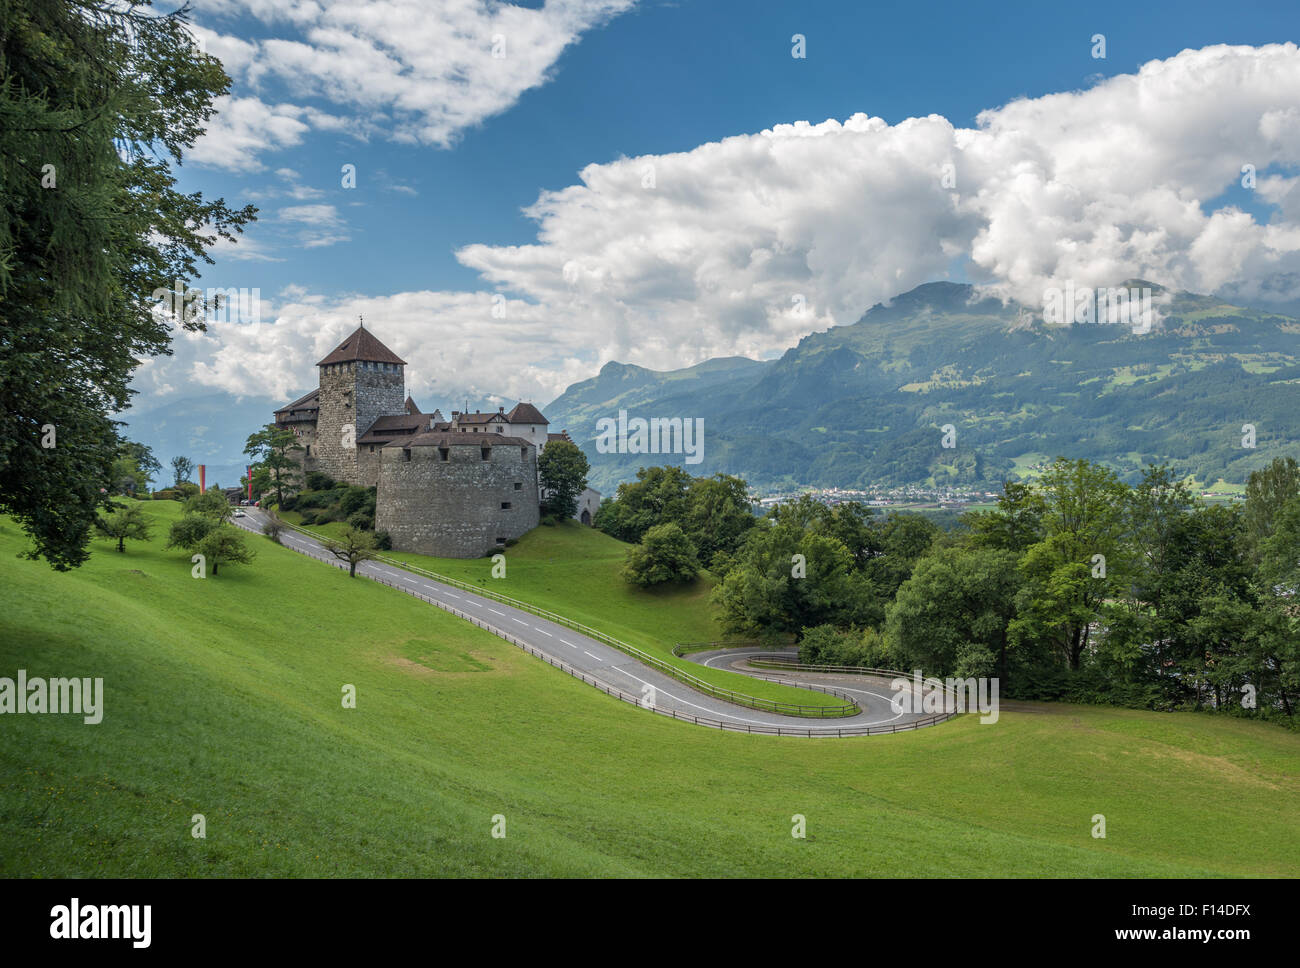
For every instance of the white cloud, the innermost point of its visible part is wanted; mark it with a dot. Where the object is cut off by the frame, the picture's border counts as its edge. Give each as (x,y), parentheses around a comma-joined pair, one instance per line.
(415,71)
(324,225)
(244,126)
(1095,186)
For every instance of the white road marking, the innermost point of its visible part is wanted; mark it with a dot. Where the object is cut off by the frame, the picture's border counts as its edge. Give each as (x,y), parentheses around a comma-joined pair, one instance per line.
(568,643)
(513,619)
(596,657)
(495,612)
(474,603)
(543,631)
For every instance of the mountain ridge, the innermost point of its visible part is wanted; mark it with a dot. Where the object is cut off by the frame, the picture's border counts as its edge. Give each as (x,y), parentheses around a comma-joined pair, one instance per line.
(862,404)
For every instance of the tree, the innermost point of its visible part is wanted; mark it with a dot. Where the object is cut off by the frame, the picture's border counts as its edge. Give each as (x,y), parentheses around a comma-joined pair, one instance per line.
(1077,564)
(665,554)
(353,546)
(128,478)
(1268,492)
(562,469)
(210,504)
(1014,525)
(182,468)
(224,544)
(273,448)
(717,514)
(143,458)
(274,525)
(124,524)
(789,575)
(97,99)
(657,496)
(190,530)
(951,616)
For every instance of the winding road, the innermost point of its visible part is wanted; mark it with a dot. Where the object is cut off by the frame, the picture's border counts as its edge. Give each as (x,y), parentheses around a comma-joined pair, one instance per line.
(620,674)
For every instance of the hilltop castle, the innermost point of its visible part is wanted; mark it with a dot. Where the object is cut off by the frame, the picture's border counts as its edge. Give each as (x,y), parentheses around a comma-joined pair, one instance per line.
(456,488)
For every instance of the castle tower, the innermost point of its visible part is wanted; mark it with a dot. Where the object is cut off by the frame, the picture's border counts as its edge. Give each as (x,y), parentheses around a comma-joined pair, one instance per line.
(361,380)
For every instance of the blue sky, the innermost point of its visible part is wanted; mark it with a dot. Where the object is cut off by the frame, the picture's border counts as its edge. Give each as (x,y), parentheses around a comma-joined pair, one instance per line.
(667,77)
(661,183)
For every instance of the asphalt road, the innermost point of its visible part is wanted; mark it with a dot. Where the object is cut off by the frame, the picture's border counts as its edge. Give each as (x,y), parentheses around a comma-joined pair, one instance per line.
(609,668)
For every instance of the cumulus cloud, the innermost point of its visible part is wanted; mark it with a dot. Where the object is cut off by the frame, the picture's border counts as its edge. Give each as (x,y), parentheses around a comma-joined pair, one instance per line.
(414,71)
(744,245)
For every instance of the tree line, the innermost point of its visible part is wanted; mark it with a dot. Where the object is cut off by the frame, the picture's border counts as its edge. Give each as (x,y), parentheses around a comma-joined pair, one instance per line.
(1077,586)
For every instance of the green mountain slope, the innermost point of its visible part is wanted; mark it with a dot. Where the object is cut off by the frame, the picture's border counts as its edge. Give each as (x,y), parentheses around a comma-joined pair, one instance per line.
(862,405)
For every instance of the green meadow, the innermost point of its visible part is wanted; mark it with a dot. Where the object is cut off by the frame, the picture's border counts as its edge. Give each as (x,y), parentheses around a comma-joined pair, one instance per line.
(575,571)
(222,698)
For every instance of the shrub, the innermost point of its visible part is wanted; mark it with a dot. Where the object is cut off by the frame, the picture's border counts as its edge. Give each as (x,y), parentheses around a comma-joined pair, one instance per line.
(383,541)
(665,554)
(308,518)
(362,521)
(166,494)
(356,499)
(316,481)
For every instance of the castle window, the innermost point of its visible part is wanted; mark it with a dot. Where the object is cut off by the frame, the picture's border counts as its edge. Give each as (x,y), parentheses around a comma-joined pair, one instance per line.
(505,505)
(523,453)
(406,453)
(372,448)
(518,486)
(444,453)
(486,452)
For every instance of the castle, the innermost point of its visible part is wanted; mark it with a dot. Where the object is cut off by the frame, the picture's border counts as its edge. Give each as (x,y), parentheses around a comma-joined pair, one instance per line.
(458,488)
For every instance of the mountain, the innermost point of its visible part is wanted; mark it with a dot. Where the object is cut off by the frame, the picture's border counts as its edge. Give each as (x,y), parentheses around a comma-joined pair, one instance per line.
(862,405)
(210,429)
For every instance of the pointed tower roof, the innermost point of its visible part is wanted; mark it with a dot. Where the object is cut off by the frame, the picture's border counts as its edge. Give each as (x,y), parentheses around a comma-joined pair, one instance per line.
(411,408)
(362,345)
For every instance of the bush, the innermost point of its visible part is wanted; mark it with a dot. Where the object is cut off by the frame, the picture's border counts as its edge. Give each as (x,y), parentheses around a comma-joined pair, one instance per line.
(828,645)
(356,499)
(167,494)
(383,541)
(316,481)
(308,518)
(361,521)
(665,554)
(289,503)
(315,499)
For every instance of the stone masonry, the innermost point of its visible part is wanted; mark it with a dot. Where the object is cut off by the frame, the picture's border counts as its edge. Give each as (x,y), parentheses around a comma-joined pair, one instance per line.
(457,495)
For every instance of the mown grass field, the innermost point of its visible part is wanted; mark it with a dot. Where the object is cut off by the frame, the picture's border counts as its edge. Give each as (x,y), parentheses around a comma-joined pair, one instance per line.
(223,698)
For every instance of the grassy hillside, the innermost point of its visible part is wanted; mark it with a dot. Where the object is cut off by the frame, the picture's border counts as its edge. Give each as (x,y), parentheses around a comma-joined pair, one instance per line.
(574,571)
(223,698)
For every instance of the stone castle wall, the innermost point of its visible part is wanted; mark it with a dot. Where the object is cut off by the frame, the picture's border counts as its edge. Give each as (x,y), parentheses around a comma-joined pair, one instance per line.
(453,508)
(353,395)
